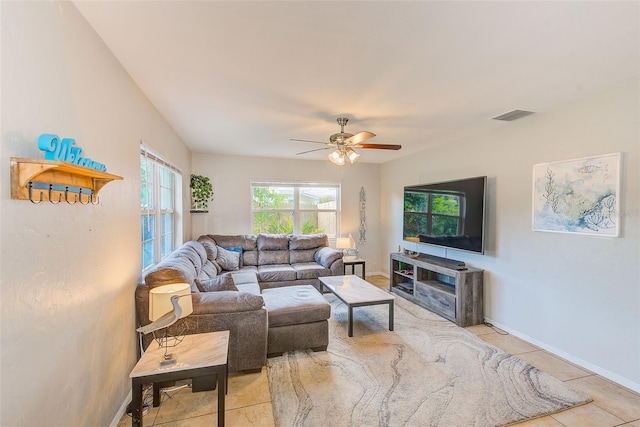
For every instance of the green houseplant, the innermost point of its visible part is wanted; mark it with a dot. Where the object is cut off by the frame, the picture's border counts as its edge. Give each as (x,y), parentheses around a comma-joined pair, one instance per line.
(201,193)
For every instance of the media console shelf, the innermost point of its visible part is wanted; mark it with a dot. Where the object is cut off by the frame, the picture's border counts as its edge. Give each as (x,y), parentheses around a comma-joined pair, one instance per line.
(443,289)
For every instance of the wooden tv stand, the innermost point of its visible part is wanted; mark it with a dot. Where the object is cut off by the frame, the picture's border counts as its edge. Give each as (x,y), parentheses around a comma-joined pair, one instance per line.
(447,290)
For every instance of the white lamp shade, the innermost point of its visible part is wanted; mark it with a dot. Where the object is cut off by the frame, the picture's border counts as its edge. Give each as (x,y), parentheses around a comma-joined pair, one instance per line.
(160,300)
(352,154)
(343,243)
(336,157)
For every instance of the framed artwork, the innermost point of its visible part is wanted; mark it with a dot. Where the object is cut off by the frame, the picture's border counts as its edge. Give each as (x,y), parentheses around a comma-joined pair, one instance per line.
(578,196)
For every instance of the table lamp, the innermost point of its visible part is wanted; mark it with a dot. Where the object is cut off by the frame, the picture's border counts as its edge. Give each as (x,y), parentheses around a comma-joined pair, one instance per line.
(343,243)
(167,304)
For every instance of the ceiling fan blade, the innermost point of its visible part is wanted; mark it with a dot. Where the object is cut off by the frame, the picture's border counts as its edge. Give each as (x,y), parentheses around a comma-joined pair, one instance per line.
(311,151)
(360,136)
(380,146)
(306,140)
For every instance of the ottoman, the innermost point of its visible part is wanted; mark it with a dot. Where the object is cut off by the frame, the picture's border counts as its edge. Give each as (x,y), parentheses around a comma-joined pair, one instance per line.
(297,319)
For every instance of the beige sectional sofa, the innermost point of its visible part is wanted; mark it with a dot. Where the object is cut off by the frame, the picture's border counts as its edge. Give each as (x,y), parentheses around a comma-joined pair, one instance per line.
(227,276)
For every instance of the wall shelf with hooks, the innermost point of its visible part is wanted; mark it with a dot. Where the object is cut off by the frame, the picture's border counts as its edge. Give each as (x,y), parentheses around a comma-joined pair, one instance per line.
(55,181)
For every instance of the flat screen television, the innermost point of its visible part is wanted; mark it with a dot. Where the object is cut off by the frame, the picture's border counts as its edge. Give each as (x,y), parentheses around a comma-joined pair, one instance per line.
(447,214)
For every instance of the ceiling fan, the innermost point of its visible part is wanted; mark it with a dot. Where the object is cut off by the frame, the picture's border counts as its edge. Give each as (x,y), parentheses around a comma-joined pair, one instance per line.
(343,144)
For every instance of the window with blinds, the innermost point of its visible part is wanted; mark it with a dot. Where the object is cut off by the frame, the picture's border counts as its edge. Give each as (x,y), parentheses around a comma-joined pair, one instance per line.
(160,207)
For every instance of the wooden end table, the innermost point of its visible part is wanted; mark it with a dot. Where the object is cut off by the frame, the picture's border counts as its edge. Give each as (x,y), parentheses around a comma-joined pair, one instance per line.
(198,355)
(353,261)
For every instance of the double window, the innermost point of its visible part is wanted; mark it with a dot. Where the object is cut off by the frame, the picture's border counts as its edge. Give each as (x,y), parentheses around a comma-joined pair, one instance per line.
(295,208)
(161,207)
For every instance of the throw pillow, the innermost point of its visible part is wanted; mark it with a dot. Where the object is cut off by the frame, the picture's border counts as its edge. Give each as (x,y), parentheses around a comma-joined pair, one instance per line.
(236,249)
(228,260)
(215,284)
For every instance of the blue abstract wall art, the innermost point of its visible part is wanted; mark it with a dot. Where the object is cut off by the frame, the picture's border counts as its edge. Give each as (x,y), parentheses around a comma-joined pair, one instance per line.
(578,196)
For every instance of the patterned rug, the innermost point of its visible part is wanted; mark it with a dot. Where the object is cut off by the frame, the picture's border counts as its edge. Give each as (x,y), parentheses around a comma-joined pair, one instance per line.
(428,372)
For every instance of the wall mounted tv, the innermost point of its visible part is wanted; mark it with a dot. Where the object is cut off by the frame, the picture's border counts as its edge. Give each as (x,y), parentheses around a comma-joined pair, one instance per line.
(448,214)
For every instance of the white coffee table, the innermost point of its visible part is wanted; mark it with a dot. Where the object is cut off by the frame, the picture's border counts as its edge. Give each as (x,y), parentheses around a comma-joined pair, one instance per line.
(355,292)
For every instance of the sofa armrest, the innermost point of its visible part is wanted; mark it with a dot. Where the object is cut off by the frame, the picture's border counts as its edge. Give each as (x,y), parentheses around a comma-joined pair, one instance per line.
(241,313)
(330,258)
(225,302)
(326,256)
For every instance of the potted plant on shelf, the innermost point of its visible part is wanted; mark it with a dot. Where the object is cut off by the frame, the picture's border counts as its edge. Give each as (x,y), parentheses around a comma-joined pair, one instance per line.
(201,193)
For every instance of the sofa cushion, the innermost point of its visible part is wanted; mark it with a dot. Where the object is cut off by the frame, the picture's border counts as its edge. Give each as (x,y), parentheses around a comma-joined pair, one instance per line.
(252,288)
(292,305)
(250,268)
(302,255)
(228,260)
(245,276)
(276,273)
(210,247)
(327,256)
(309,241)
(271,242)
(225,302)
(220,283)
(208,270)
(310,270)
(194,252)
(246,241)
(273,257)
(249,257)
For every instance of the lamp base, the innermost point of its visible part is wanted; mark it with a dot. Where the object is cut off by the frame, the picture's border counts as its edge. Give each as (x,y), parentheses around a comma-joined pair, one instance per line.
(167,341)
(168,360)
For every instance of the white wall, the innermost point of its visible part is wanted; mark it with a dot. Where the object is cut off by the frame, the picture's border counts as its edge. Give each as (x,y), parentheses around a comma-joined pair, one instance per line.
(230,212)
(68,272)
(578,296)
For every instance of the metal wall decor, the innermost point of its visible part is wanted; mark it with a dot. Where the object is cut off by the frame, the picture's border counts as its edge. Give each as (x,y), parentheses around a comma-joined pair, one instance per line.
(363,217)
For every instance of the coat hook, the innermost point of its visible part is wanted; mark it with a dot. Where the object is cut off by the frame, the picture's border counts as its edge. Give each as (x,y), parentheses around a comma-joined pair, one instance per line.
(31,194)
(88,198)
(66,196)
(51,195)
(97,199)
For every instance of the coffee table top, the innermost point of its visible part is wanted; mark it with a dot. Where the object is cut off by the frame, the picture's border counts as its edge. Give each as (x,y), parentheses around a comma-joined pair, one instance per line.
(353,290)
(195,351)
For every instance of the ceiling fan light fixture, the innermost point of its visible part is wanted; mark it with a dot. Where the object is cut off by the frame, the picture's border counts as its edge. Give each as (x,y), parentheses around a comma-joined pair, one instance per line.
(352,155)
(336,157)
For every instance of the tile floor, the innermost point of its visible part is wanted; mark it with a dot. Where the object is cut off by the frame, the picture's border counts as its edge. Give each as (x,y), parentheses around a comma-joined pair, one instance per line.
(249,401)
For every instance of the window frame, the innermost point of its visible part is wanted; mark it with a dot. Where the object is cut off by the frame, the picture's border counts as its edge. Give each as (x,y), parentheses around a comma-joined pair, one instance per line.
(295,211)
(157,209)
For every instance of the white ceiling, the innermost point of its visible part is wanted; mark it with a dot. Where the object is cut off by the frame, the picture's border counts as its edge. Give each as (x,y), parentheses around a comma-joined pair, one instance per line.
(243,77)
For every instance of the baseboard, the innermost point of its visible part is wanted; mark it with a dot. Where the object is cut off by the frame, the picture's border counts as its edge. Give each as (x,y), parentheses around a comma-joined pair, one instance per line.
(624,382)
(121,411)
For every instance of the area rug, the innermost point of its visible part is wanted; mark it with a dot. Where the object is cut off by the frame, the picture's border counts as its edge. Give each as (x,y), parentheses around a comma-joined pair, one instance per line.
(428,372)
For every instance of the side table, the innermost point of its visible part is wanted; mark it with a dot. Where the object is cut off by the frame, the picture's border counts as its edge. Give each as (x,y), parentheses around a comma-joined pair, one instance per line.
(198,355)
(353,261)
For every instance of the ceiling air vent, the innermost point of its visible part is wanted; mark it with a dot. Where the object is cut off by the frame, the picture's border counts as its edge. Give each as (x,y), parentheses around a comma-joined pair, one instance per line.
(513,115)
